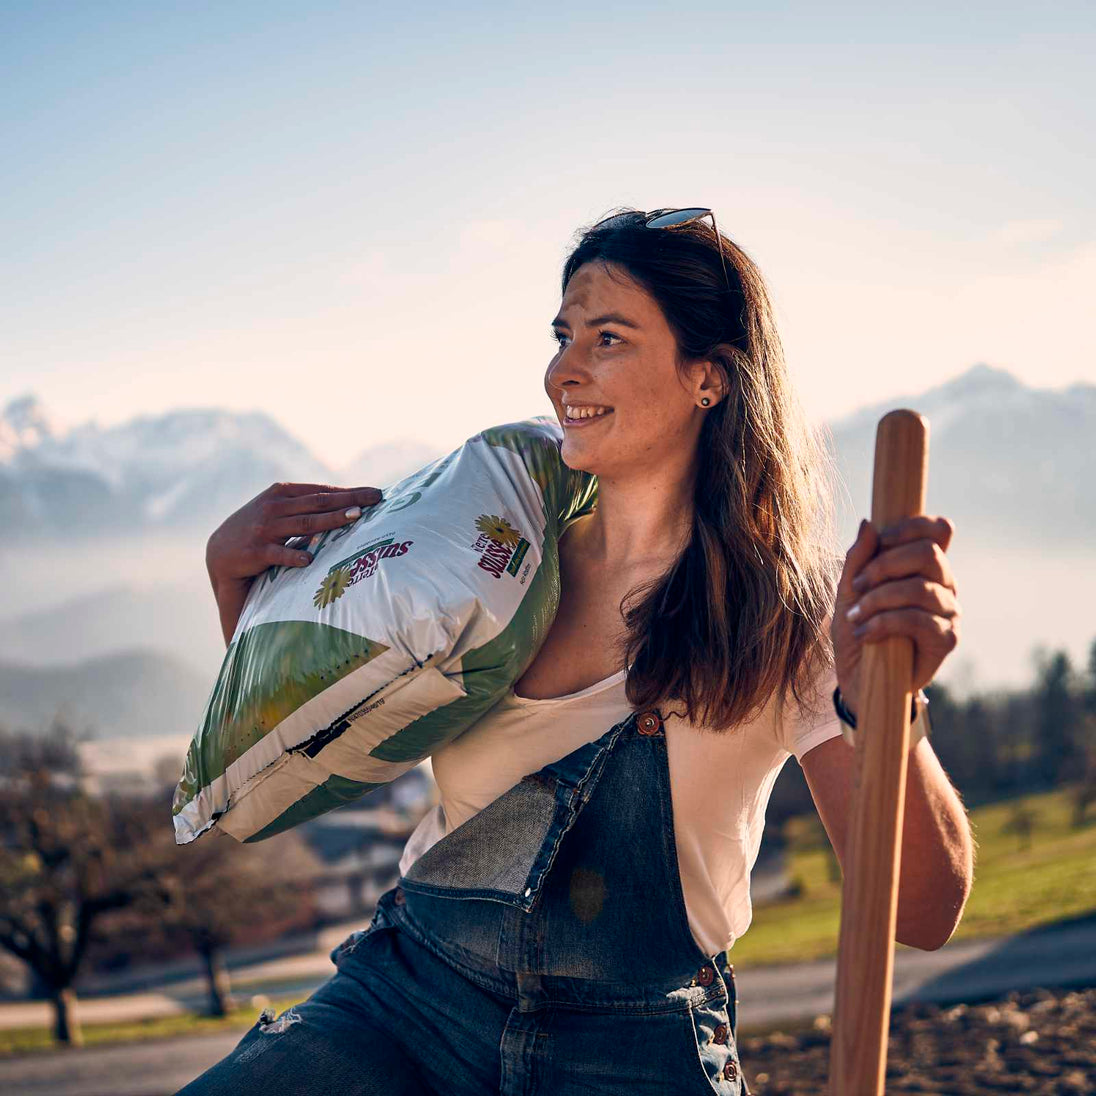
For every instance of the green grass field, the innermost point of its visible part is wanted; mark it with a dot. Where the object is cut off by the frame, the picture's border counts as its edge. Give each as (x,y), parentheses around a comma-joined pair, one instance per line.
(22,1040)
(1015,888)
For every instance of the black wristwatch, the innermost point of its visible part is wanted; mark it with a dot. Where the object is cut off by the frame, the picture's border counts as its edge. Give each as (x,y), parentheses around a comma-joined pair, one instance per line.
(917,702)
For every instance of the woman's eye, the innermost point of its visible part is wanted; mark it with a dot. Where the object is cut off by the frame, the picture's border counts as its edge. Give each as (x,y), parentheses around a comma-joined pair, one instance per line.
(560,338)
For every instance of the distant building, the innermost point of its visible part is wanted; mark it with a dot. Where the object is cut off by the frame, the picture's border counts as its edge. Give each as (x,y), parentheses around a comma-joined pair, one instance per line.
(131,766)
(360,844)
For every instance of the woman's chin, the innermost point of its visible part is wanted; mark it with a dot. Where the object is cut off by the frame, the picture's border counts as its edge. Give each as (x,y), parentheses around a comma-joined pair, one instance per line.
(578,457)
(580,466)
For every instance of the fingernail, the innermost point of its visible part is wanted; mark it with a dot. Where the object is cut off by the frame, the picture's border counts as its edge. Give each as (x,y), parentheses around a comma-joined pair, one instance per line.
(859,630)
(353,513)
(854,612)
(860,584)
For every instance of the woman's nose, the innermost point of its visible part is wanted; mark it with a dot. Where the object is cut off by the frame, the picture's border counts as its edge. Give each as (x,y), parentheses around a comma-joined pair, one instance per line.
(566,366)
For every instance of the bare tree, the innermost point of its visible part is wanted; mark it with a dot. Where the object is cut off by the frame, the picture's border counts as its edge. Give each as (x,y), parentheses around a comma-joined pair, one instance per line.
(224,891)
(66,859)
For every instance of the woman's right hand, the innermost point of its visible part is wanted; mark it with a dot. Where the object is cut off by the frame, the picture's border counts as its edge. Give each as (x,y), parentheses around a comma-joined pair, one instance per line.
(252,539)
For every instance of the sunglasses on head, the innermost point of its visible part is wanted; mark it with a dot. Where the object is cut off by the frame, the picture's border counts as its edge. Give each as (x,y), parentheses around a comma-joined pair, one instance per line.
(669,218)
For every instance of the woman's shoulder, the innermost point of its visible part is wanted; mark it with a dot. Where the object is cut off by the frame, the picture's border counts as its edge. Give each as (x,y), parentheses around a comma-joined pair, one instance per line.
(806,720)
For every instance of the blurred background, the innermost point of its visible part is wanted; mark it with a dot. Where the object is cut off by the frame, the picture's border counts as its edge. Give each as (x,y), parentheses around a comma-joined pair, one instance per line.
(322,242)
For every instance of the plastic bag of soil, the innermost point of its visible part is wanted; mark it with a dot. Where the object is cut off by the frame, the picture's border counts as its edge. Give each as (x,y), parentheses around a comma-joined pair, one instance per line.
(407,626)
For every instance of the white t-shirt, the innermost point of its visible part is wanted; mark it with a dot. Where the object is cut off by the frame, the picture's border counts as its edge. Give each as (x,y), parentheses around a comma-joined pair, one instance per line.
(719,782)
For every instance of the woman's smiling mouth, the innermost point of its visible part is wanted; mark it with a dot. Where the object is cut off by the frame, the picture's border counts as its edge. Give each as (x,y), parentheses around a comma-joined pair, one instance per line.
(584,415)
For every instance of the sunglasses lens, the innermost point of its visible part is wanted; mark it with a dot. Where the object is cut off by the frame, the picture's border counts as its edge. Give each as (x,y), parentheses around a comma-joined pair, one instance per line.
(677,217)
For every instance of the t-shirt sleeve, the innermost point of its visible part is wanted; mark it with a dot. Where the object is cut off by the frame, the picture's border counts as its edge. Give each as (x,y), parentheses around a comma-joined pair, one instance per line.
(800,733)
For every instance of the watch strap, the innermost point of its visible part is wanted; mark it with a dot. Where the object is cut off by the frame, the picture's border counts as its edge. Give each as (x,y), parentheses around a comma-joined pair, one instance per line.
(919,717)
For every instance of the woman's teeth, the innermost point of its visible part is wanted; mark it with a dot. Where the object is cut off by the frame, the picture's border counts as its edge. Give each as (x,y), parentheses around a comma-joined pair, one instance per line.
(585,412)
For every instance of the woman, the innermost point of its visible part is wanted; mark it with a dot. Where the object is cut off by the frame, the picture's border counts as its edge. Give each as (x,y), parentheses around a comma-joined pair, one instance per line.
(562,916)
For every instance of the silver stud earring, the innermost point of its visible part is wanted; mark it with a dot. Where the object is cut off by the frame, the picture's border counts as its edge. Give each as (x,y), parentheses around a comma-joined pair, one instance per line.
(705,401)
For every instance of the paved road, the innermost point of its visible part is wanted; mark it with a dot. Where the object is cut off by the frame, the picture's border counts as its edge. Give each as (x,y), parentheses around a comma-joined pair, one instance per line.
(1062,956)
(178,994)
(155,1068)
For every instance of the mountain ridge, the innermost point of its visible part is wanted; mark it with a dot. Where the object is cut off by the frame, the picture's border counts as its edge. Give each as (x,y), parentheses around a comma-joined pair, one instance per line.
(190,467)
(1013,466)
(129,692)
(180,469)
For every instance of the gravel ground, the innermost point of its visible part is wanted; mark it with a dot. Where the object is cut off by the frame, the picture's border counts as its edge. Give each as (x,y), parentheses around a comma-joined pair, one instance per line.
(1041,1041)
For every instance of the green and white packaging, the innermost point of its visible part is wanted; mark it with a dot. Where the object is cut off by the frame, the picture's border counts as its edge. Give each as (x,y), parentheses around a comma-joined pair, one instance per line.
(407,626)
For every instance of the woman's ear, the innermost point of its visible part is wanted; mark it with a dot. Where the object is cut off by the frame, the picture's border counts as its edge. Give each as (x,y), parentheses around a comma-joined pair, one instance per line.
(707,383)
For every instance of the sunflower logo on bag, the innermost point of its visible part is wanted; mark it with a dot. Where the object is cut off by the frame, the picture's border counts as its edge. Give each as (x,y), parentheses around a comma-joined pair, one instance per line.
(500,546)
(498,529)
(333,587)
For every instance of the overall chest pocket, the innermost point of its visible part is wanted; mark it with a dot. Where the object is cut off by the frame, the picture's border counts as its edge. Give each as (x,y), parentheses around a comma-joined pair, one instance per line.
(504,851)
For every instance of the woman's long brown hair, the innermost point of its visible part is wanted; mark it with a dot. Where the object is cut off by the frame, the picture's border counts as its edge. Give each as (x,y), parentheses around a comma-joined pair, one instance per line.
(744,611)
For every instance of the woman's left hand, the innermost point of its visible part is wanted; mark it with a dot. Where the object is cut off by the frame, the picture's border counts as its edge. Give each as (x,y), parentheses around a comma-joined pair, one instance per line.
(900,583)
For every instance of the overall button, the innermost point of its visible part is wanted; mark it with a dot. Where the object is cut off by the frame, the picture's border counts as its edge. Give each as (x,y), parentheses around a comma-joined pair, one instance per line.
(648,722)
(730,1071)
(398,896)
(705,976)
(720,1034)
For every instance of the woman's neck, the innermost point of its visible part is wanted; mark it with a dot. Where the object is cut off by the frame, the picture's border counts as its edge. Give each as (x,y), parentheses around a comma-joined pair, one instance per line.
(638,525)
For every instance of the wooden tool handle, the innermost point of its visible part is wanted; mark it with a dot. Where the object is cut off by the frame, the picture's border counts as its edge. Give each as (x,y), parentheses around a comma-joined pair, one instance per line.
(869,900)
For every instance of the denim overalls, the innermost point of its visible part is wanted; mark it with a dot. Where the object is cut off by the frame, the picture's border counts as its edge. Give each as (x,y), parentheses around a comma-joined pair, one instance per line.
(541,948)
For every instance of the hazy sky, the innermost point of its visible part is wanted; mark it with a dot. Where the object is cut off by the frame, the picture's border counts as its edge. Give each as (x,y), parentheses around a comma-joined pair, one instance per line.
(353,216)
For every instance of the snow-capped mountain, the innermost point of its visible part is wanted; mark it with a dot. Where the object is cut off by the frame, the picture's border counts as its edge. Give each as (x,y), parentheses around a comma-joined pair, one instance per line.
(1007,462)
(182,469)
(24,425)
